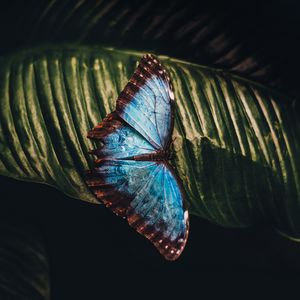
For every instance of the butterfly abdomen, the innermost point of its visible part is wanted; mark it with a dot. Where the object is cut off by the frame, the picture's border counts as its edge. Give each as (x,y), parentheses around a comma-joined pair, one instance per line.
(159,155)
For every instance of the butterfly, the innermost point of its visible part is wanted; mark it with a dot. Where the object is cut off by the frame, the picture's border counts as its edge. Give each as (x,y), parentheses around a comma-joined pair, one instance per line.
(132,174)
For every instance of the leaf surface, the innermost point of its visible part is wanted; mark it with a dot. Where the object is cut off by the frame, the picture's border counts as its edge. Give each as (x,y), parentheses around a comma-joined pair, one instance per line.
(236,142)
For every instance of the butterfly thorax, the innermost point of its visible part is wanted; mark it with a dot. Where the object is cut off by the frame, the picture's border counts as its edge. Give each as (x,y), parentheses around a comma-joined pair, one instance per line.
(159,155)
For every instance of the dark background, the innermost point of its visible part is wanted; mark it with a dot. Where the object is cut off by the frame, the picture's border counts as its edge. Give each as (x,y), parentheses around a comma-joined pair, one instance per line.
(87,245)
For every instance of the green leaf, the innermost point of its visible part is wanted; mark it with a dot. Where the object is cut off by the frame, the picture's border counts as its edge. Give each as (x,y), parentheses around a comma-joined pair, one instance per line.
(236,142)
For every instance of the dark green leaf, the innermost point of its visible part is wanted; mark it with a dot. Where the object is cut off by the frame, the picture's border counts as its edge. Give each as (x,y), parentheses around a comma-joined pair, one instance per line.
(236,147)
(258,42)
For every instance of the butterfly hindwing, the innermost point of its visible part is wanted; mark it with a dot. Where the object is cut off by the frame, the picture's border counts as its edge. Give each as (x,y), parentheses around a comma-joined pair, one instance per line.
(146,102)
(115,182)
(117,140)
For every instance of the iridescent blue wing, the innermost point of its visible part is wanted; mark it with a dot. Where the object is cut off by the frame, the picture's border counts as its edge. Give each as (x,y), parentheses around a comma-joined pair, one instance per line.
(147,193)
(116,140)
(146,102)
(149,196)
(158,212)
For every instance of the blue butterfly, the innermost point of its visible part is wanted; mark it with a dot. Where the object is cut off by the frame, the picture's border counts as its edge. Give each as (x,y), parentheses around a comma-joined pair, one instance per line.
(132,174)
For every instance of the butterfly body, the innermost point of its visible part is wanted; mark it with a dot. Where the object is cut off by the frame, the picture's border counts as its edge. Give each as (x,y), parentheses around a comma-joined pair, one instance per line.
(132,174)
(159,155)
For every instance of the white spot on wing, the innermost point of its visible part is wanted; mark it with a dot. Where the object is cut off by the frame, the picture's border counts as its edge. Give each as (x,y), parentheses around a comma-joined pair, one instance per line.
(186,216)
(171,94)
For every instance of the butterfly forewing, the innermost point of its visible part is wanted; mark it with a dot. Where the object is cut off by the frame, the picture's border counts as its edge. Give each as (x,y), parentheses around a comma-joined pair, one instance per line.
(157,212)
(146,102)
